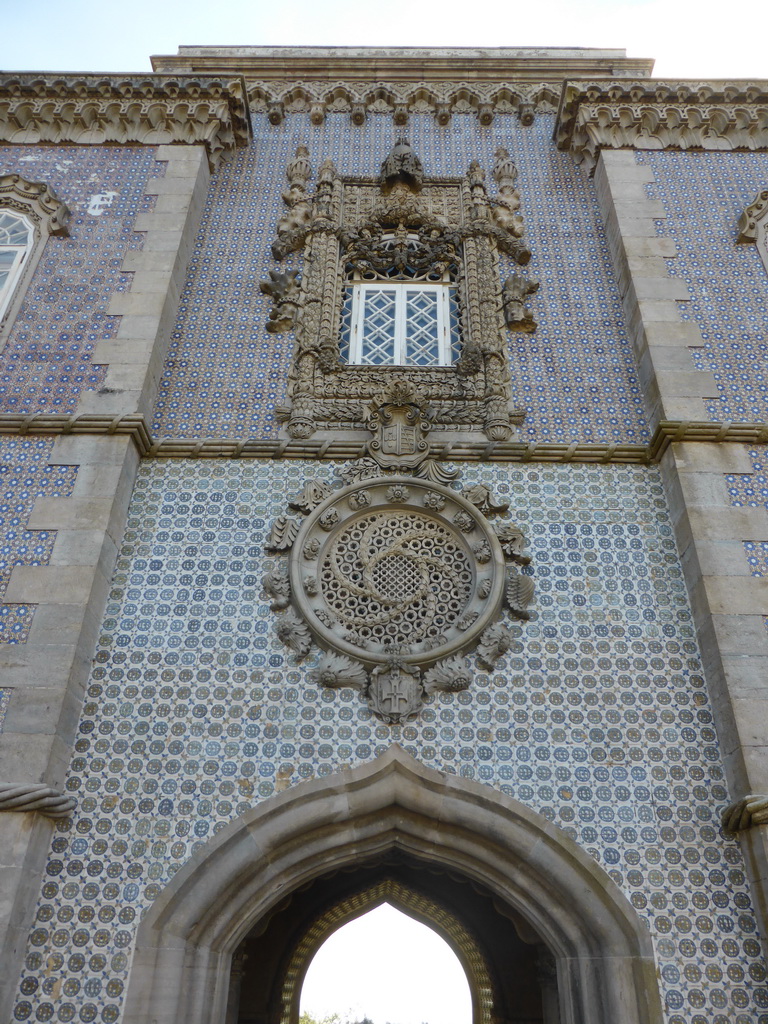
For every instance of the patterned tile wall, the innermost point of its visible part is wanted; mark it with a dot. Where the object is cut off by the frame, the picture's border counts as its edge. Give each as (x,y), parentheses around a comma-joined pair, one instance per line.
(704,195)
(46,362)
(598,718)
(25,476)
(575,375)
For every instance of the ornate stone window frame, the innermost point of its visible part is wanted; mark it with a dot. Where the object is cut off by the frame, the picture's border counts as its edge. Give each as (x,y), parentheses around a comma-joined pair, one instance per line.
(753,225)
(348,218)
(46,215)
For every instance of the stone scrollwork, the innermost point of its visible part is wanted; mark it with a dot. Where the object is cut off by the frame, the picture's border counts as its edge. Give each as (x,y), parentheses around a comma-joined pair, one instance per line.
(385,575)
(401,224)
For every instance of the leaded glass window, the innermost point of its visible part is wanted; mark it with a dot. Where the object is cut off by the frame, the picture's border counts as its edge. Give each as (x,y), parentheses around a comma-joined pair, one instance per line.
(401,314)
(16,236)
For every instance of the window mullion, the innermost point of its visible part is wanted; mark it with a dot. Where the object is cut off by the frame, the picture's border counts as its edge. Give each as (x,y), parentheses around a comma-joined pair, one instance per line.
(401,323)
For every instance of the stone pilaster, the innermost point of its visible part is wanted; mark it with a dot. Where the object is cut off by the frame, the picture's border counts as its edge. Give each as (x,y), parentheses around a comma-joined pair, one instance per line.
(729,604)
(673,388)
(47,675)
(137,354)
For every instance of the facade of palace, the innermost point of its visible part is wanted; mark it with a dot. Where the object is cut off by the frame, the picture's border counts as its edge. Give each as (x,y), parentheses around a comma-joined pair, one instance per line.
(383,494)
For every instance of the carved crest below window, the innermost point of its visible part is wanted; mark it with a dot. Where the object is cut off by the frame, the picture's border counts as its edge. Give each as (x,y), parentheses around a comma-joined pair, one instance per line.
(401,270)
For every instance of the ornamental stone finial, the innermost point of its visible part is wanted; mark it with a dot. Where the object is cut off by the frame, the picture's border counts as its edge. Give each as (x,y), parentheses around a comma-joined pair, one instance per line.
(402,164)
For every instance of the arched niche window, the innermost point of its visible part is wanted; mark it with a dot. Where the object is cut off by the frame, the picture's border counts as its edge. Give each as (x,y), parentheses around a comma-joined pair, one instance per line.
(400,304)
(16,240)
(386,966)
(29,213)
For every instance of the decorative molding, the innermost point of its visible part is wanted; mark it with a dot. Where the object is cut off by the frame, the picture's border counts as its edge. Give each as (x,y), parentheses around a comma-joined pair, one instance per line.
(135,426)
(402,224)
(753,225)
(749,812)
(37,201)
(482,82)
(146,110)
(440,100)
(35,797)
(396,578)
(649,114)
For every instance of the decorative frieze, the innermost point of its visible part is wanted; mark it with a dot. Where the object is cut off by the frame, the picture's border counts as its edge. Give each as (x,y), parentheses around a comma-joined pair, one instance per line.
(145,110)
(441,100)
(649,114)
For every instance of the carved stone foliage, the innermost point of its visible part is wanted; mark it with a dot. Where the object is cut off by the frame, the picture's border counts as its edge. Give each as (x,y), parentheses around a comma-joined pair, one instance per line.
(753,225)
(649,114)
(401,225)
(396,578)
(145,110)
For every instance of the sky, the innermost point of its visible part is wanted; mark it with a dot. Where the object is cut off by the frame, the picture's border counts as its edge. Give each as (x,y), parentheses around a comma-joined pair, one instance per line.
(390,968)
(687,38)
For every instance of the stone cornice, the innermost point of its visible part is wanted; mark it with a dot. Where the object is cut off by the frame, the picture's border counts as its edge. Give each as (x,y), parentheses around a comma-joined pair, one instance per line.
(135,426)
(400,64)
(648,114)
(124,110)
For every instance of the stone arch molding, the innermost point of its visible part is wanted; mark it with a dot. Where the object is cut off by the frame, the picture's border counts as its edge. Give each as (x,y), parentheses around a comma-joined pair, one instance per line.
(47,215)
(603,952)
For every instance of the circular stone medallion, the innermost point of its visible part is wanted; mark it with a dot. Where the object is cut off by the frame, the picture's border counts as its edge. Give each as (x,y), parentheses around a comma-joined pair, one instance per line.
(400,565)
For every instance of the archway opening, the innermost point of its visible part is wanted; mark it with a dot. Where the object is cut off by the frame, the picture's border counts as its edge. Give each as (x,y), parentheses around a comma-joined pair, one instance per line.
(524,908)
(387,968)
(500,956)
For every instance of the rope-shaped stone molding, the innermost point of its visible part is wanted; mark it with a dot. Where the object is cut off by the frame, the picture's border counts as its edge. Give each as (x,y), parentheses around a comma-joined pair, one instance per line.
(750,811)
(21,796)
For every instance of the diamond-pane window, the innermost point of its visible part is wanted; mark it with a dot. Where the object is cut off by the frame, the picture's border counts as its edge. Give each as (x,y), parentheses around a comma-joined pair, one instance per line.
(16,237)
(401,324)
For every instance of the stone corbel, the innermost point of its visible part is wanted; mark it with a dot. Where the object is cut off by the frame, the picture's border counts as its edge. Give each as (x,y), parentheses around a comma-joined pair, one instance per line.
(21,796)
(749,812)
(147,110)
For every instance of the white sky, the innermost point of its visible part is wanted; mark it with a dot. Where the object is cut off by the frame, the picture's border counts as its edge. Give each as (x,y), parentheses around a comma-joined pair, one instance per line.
(391,968)
(688,38)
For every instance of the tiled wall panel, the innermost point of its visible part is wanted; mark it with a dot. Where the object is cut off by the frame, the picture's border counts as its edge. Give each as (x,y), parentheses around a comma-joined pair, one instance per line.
(575,375)
(46,362)
(598,718)
(25,476)
(704,194)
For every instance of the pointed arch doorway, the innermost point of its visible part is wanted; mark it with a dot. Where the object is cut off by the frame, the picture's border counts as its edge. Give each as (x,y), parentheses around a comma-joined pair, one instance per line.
(396,819)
